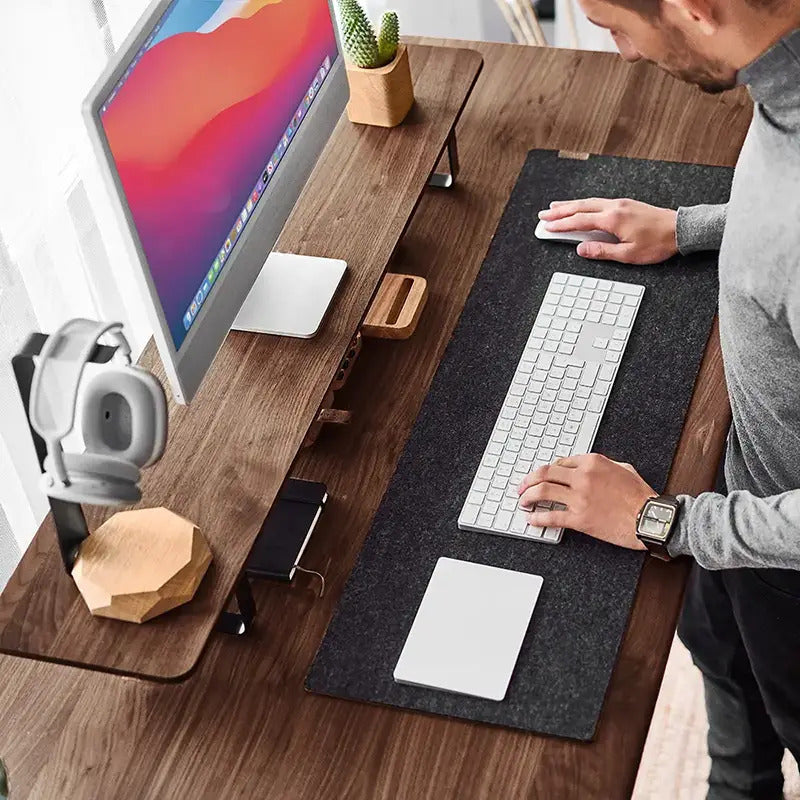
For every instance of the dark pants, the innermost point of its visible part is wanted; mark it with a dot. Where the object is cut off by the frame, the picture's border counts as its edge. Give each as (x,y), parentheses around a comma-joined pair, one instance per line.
(742,627)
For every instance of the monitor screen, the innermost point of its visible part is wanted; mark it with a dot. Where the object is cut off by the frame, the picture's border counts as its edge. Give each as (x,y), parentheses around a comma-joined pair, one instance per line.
(197,127)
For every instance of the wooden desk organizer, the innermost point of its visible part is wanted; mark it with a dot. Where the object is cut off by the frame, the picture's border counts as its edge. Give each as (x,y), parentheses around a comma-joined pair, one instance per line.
(395,312)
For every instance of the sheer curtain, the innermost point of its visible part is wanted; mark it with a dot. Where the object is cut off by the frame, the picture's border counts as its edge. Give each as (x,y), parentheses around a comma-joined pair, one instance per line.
(61,251)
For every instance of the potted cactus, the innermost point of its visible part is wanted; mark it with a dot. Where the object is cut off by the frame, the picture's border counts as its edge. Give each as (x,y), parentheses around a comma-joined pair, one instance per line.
(3,782)
(381,92)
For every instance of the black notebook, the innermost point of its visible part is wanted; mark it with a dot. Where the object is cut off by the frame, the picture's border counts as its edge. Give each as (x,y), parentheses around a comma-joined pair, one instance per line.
(286,530)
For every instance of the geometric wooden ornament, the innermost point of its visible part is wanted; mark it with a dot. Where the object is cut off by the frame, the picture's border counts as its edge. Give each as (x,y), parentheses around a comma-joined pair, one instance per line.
(140,564)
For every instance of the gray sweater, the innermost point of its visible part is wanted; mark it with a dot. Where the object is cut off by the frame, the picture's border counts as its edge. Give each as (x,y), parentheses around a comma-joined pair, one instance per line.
(758,234)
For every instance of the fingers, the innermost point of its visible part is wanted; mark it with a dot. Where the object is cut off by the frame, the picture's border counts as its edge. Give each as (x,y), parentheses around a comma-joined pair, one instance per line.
(552,473)
(581,221)
(551,519)
(565,208)
(554,492)
(624,252)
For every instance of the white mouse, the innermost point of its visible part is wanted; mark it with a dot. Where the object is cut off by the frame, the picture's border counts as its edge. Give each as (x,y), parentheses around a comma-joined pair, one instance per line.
(573,237)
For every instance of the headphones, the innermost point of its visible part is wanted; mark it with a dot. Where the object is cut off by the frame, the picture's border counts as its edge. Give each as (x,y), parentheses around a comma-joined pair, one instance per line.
(123,417)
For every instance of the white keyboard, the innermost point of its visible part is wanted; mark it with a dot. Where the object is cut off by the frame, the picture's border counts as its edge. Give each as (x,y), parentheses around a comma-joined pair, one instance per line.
(556,399)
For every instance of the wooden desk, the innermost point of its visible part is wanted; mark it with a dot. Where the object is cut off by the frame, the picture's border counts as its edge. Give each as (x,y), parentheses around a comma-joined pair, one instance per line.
(242,726)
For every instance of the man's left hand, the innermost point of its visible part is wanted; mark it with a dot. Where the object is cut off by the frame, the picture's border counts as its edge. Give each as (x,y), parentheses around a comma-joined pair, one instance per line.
(602,497)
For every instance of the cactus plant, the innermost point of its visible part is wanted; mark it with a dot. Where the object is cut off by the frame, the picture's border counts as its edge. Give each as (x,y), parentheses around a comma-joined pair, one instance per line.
(389,36)
(362,46)
(3,782)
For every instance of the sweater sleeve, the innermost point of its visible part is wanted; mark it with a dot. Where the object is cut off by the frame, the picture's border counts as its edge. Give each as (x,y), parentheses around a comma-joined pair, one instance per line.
(739,530)
(700,228)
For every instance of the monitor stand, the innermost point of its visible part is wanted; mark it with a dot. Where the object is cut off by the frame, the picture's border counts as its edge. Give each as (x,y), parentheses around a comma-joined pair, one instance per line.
(291,296)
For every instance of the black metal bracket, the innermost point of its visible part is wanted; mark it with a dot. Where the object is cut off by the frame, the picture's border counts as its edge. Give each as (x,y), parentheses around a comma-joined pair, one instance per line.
(70,522)
(238,623)
(446,180)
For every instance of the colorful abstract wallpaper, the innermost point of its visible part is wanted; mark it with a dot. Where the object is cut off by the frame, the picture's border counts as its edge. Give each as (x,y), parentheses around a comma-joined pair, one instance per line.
(196,121)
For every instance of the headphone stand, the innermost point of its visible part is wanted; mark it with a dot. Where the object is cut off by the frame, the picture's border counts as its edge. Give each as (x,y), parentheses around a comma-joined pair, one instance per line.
(70,522)
(69,519)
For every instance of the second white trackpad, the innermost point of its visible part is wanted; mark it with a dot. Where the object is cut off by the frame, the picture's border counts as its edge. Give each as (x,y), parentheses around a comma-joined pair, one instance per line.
(469,628)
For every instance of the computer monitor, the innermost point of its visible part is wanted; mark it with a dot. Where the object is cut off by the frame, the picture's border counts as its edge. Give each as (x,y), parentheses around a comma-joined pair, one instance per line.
(208,124)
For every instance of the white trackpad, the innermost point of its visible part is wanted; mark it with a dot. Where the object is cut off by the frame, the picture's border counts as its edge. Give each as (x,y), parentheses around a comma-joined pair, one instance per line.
(573,237)
(469,628)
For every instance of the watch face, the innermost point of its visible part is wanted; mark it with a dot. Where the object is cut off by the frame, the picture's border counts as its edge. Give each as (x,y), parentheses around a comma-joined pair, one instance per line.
(656,520)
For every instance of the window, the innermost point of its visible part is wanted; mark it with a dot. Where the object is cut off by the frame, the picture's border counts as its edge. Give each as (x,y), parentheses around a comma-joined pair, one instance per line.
(62,253)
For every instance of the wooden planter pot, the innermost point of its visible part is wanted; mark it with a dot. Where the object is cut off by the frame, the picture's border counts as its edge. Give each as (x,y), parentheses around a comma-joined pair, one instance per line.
(381,96)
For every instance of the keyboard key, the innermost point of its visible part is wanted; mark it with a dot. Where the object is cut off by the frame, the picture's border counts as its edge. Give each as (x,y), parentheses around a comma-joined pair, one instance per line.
(608,319)
(602,387)
(574,280)
(503,519)
(583,392)
(592,316)
(566,349)
(519,521)
(589,374)
(490,507)
(485,520)
(606,372)
(558,277)
(570,338)
(574,327)
(559,324)
(596,403)
(469,514)
(600,343)
(507,504)
(544,362)
(620,335)
(475,498)
(480,485)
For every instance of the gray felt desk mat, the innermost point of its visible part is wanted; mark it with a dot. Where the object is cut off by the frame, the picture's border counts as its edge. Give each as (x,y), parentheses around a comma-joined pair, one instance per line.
(569,651)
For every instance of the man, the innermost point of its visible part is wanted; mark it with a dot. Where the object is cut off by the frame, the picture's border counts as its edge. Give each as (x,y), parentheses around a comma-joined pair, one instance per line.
(742,614)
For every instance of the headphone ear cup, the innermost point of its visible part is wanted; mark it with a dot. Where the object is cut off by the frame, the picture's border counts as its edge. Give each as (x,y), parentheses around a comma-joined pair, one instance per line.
(95,479)
(125,415)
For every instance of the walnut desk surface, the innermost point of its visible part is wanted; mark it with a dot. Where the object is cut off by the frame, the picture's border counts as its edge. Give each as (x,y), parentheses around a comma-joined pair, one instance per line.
(242,725)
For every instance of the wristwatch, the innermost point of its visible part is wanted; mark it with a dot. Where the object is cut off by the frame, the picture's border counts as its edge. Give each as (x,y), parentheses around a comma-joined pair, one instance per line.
(655,524)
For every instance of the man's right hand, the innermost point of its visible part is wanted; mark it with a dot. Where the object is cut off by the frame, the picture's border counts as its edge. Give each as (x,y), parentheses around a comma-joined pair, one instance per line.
(646,233)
